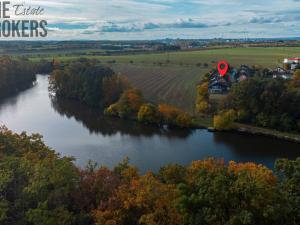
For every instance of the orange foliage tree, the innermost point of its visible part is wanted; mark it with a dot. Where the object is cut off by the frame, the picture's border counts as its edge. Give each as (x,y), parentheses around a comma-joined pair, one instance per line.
(144,200)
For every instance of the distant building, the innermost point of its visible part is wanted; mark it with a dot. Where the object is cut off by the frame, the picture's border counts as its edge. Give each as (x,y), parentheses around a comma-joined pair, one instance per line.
(218,87)
(282,73)
(292,63)
(221,85)
(242,77)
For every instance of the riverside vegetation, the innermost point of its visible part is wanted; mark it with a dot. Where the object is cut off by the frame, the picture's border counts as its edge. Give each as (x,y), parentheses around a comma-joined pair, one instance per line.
(39,187)
(261,100)
(17,74)
(96,85)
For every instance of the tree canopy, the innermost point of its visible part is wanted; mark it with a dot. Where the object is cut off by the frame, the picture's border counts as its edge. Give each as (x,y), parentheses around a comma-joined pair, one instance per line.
(271,103)
(89,82)
(15,75)
(38,187)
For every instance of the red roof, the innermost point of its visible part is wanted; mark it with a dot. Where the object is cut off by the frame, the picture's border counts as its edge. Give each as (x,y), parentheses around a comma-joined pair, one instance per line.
(293,58)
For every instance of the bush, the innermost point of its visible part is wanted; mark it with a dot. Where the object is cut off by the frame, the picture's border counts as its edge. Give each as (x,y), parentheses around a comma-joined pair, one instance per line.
(148,113)
(184,120)
(224,121)
(128,104)
(202,98)
(168,113)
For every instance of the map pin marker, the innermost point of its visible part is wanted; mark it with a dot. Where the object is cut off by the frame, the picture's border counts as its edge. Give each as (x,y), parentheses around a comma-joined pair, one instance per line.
(223,68)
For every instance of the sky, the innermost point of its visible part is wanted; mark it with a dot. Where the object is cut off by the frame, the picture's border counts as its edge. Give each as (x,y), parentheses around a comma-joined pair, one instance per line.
(159,19)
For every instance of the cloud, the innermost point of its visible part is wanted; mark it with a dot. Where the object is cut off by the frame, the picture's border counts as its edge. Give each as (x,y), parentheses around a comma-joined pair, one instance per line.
(119,28)
(262,20)
(142,19)
(188,23)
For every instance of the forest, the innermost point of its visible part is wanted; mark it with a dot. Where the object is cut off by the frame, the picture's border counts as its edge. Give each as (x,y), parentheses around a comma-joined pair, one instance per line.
(38,187)
(96,85)
(265,102)
(261,100)
(17,74)
(88,82)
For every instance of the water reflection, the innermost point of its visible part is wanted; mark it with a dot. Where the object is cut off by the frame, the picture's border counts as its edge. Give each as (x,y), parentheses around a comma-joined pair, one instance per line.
(94,120)
(77,130)
(258,147)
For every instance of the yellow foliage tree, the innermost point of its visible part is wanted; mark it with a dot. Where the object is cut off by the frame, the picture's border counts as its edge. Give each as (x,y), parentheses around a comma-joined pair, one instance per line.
(224,121)
(202,99)
(144,200)
(184,120)
(148,113)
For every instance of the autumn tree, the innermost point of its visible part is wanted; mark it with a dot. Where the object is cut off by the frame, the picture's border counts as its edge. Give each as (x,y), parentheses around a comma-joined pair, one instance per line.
(144,200)
(288,172)
(236,194)
(88,82)
(35,182)
(272,103)
(202,98)
(168,113)
(148,113)
(184,120)
(224,120)
(128,104)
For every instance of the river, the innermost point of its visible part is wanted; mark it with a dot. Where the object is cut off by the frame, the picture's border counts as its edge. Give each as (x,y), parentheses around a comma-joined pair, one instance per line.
(75,130)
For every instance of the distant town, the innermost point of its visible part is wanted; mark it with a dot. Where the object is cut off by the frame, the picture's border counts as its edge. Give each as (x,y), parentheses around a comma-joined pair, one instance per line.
(100,48)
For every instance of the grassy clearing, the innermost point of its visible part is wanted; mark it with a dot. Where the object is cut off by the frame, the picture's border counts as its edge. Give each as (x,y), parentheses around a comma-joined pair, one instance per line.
(204,122)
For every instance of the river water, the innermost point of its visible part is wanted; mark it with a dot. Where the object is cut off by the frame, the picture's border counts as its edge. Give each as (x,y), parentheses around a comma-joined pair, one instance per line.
(75,130)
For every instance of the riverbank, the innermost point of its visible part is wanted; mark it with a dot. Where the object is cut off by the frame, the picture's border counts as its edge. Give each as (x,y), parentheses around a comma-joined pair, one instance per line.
(207,123)
(249,129)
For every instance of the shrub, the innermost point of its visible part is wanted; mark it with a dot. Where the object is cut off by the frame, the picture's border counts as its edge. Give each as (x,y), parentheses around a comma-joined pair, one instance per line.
(184,120)
(224,121)
(148,114)
(168,113)
(127,106)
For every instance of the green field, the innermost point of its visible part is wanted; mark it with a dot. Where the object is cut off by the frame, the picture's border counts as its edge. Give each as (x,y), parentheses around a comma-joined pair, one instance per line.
(172,77)
(261,56)
(269,56)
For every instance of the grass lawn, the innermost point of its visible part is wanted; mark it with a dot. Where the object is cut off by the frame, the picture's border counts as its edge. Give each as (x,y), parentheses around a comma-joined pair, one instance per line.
(204,122)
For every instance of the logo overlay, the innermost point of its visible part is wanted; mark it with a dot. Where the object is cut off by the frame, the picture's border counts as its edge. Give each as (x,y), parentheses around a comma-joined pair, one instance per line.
(18,21)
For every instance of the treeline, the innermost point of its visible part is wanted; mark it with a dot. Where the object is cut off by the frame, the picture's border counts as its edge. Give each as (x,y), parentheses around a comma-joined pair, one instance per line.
(17,74)
(93,84)
(265,102)
(89,82)
(132,105)
(39,187)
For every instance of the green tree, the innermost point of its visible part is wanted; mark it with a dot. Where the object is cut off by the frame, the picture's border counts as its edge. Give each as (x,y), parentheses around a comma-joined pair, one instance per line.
(236,194)
(288,172)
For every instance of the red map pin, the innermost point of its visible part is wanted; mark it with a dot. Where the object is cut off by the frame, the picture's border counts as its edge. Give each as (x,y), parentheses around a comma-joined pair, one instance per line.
(223,68)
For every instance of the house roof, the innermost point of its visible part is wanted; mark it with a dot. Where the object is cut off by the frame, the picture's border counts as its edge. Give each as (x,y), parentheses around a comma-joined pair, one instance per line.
(293,58)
